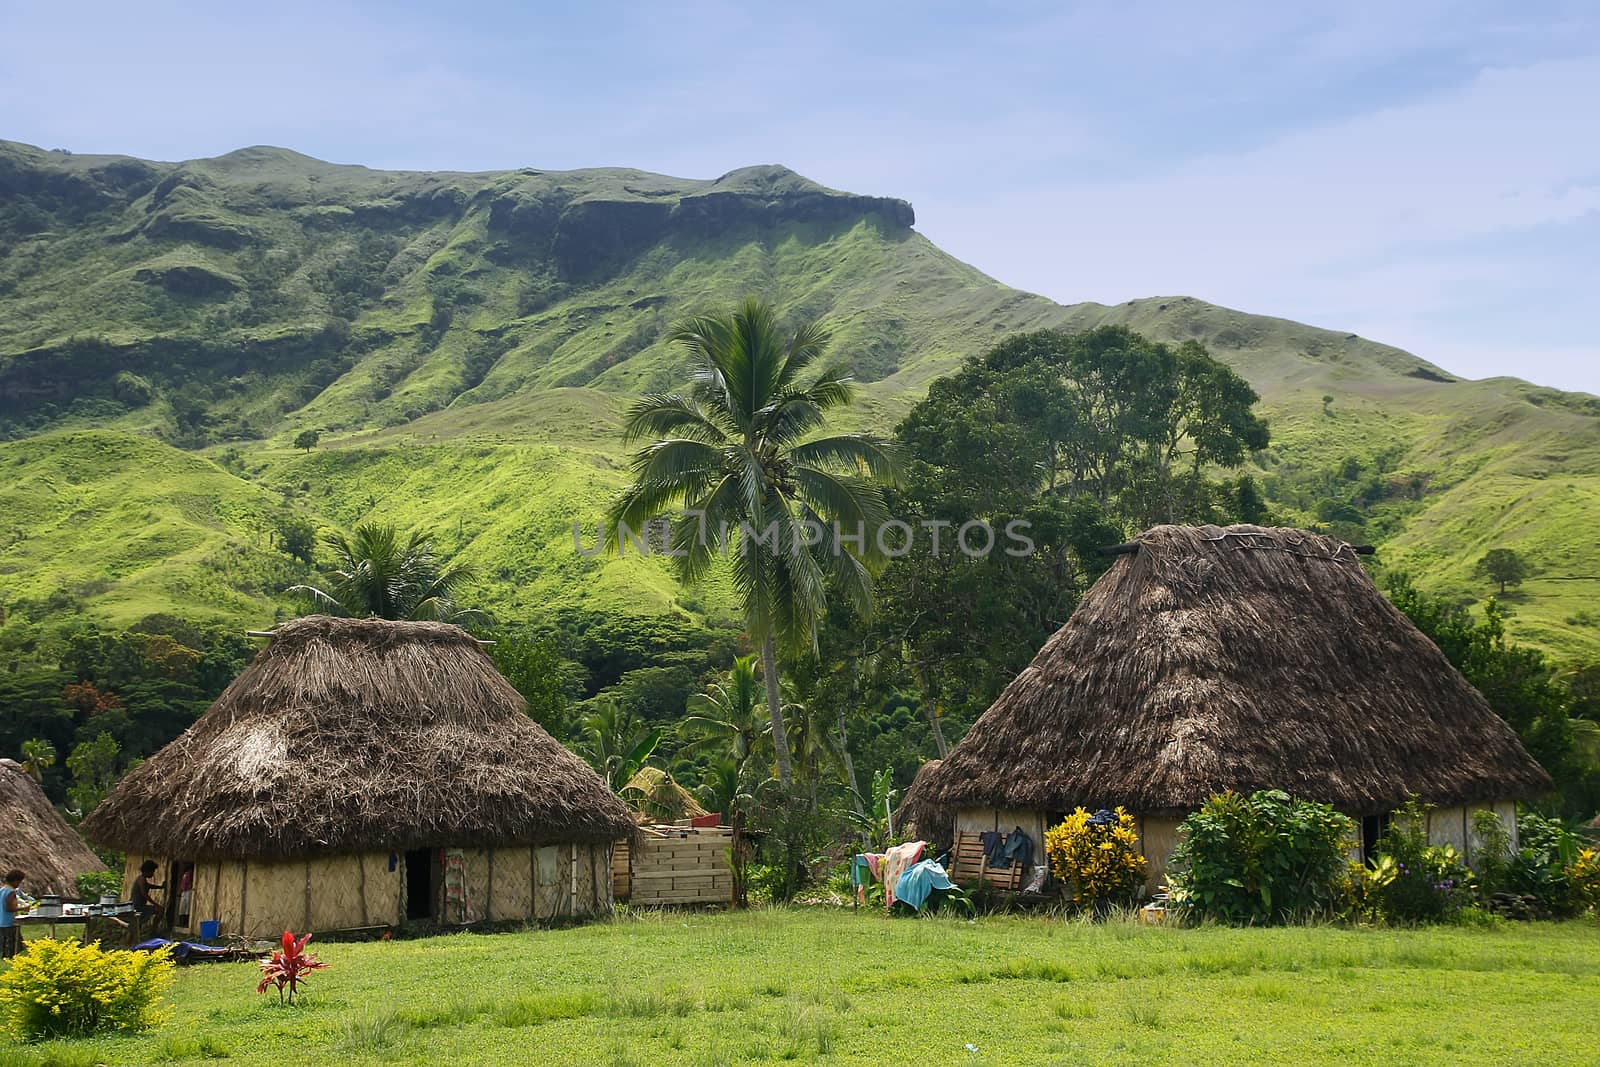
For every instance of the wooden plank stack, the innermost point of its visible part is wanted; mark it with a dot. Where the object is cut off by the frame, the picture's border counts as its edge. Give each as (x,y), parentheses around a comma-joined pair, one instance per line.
(676,865)
(621,870)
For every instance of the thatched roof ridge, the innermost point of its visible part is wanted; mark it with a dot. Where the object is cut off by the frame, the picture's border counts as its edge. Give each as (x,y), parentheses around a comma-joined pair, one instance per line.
(1241,658)
(35,838)
(359,734)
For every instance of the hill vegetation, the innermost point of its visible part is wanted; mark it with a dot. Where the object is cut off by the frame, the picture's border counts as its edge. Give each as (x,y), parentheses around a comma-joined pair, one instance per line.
(465,344)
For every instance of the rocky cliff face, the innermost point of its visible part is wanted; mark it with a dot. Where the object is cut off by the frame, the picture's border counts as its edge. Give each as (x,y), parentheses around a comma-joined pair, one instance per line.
(250,251)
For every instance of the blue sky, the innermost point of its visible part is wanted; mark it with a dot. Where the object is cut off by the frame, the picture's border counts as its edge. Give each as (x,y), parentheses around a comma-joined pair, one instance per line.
(1425,174)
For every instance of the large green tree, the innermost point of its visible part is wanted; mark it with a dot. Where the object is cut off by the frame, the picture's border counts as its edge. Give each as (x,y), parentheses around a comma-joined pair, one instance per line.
(740,459)
(1503,566)
(381,573)
(1082,439)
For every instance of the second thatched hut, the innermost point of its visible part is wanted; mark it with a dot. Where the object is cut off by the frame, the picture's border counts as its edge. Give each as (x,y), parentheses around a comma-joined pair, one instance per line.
(1239,658)
(363,773)
(37,840)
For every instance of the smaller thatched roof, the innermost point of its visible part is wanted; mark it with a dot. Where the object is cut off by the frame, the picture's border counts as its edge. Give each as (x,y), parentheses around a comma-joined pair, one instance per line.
(919,815)
(37,840)
(351,735)
(1240,658)
(657,796)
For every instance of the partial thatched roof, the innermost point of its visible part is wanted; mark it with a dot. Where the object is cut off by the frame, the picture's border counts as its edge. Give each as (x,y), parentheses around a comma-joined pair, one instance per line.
(656,795)
(358,734)
(919,815)
(35,838)
(1241,658)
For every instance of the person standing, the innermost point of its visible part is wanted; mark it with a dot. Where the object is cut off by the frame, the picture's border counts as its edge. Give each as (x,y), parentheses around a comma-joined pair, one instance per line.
(10,908)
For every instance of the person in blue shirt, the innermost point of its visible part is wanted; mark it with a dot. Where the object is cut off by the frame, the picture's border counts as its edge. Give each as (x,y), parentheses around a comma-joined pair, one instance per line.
(10,906)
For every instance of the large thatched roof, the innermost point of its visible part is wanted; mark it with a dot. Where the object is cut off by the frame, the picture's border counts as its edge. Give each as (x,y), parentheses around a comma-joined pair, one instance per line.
(358,734)
(35,838)
(1241,658)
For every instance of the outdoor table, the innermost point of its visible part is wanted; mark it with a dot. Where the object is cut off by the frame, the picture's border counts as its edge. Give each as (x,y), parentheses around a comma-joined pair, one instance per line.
(76,917)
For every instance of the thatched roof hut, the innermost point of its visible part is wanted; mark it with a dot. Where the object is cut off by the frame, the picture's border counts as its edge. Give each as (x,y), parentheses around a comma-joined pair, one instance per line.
(35,838)
(1236,658)
(362,736)
(918,815)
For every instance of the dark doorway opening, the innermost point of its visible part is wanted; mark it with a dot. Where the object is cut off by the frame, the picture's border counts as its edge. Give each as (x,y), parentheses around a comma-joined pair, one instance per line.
(1372,828)
(421,884)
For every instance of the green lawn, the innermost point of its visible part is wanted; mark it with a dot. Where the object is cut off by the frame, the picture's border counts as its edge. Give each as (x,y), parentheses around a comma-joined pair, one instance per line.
(841,987)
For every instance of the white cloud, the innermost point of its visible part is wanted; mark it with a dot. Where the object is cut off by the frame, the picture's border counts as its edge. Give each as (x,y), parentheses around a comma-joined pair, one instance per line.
(1372,219)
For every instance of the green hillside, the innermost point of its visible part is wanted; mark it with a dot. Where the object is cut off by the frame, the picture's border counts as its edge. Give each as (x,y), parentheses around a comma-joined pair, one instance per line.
(465,343)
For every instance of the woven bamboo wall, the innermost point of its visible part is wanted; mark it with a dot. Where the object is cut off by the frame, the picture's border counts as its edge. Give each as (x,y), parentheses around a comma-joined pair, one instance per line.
(262,898)
(680,865)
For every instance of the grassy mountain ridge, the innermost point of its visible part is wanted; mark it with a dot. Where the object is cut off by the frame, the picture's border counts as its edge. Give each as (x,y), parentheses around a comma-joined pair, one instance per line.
(465,343)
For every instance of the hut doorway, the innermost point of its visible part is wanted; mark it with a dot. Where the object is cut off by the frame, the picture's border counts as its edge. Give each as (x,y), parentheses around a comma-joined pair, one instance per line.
(422,884)
(1372,828)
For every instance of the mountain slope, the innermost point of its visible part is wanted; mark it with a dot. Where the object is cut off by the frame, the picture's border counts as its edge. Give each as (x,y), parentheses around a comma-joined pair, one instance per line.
(466,342)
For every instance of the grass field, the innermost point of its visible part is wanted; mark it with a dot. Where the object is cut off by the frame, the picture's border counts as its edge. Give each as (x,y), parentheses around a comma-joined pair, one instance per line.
(841,987)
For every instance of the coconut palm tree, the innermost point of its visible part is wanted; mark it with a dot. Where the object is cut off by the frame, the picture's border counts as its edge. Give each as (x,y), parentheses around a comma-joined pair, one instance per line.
(380,574)
(37,754)
(738,456)
(728,717)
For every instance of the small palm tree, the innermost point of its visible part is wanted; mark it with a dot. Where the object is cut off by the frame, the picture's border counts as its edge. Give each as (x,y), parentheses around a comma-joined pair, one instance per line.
(37,755)
(615,742)
(721,787)
(729,716)
(814,744)
(380,574)
(738,455)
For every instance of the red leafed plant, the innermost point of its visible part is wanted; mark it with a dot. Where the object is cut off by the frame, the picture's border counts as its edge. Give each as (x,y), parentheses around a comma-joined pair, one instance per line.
(288,967)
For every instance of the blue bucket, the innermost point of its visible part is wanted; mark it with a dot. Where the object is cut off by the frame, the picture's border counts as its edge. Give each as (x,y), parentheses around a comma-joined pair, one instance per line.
(209,929)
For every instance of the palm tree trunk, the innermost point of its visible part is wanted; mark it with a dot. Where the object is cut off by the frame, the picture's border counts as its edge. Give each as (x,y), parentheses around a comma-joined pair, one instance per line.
(849,764)
(780,737)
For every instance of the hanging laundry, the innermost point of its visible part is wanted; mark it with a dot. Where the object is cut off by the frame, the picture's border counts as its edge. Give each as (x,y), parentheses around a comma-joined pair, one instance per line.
(895,862)
(1018,849)
(992,841)
(457,895)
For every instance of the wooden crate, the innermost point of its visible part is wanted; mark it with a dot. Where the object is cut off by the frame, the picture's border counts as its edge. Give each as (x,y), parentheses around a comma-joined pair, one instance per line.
(621,871)
(968,865)
(677,865)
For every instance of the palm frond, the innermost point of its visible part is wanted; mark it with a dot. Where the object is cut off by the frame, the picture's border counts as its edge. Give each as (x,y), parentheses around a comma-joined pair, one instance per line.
(858,452)
(667,414)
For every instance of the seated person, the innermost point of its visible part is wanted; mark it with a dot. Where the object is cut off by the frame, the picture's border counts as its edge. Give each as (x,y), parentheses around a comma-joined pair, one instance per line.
(146,908)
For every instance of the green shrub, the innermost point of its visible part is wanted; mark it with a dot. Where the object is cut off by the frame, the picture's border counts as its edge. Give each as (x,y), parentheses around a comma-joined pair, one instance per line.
(94,883)
(1097,857)
(1491,860)
(63,989)
(1583,875)
(1411,881)
(792,837)
(1539,869)
(1265,858)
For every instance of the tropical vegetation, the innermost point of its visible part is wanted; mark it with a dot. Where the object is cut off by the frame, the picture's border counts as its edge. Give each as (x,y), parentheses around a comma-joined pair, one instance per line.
(742,462)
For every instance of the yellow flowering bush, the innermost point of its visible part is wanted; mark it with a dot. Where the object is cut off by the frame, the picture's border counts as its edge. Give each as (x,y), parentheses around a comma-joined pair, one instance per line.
(1097,859)
(63,989)
(1584,874)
